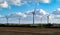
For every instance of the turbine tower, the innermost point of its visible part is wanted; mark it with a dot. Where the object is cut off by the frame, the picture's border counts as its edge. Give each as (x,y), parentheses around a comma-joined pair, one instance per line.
(19,19)
(48,19)
(41,19)
(34,13)
(7,18)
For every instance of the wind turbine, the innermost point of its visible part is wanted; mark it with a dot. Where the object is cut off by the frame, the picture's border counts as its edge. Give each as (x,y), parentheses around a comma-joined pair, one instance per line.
(40,16)
(20,15)
(41,19)
(7,18)
(49,24)
(19,19)
(48,19)
(16,15)
(34,13)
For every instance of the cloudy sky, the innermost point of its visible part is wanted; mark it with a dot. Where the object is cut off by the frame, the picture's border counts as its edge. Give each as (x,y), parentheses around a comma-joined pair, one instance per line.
(9,6)
(24,7)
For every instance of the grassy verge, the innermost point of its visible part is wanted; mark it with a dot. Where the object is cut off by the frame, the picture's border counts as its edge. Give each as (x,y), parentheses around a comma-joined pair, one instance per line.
(30,25)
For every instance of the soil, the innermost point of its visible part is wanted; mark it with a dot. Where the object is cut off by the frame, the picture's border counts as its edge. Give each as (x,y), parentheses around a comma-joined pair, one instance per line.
(28,31)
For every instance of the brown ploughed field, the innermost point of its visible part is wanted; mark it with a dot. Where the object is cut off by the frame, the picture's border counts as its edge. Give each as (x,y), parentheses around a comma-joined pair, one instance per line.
(28,31)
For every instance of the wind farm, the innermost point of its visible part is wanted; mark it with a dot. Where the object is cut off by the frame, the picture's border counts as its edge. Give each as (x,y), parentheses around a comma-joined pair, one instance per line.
(29,17)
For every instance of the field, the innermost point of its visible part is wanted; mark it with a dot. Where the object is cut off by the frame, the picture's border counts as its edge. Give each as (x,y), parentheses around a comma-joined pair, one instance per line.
(28,31)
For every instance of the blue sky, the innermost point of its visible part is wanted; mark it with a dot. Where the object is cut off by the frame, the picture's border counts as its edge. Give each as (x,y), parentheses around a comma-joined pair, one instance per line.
(12,6)
(48,7)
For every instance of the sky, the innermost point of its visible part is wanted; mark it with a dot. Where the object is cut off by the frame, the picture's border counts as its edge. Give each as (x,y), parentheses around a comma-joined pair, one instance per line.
(27,6)
(16,6)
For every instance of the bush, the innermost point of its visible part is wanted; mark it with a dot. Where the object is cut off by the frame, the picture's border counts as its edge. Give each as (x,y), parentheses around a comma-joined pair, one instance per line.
(49,25)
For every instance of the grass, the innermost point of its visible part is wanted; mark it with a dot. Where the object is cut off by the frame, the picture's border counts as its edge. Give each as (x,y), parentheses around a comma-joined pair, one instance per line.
(31,26)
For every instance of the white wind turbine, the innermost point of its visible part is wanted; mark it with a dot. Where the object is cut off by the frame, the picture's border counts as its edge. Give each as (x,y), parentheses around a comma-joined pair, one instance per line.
(40,16)
(7,18)
(20,15)
(48,19)
(33,13)
(44,1)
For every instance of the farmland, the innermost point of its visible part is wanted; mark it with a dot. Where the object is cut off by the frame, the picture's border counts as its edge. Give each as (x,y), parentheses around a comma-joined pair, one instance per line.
(27,30)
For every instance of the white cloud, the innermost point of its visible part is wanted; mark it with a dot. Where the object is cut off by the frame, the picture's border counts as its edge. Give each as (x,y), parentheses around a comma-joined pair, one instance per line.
(44,1)
(56,12)
(57,16)
(21,14)
(37,12)
(4,5)
(7,3)
(40,16)
(58,9)
(29,12)
(15,2)
(17,14)
(43,12)
(51,16)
